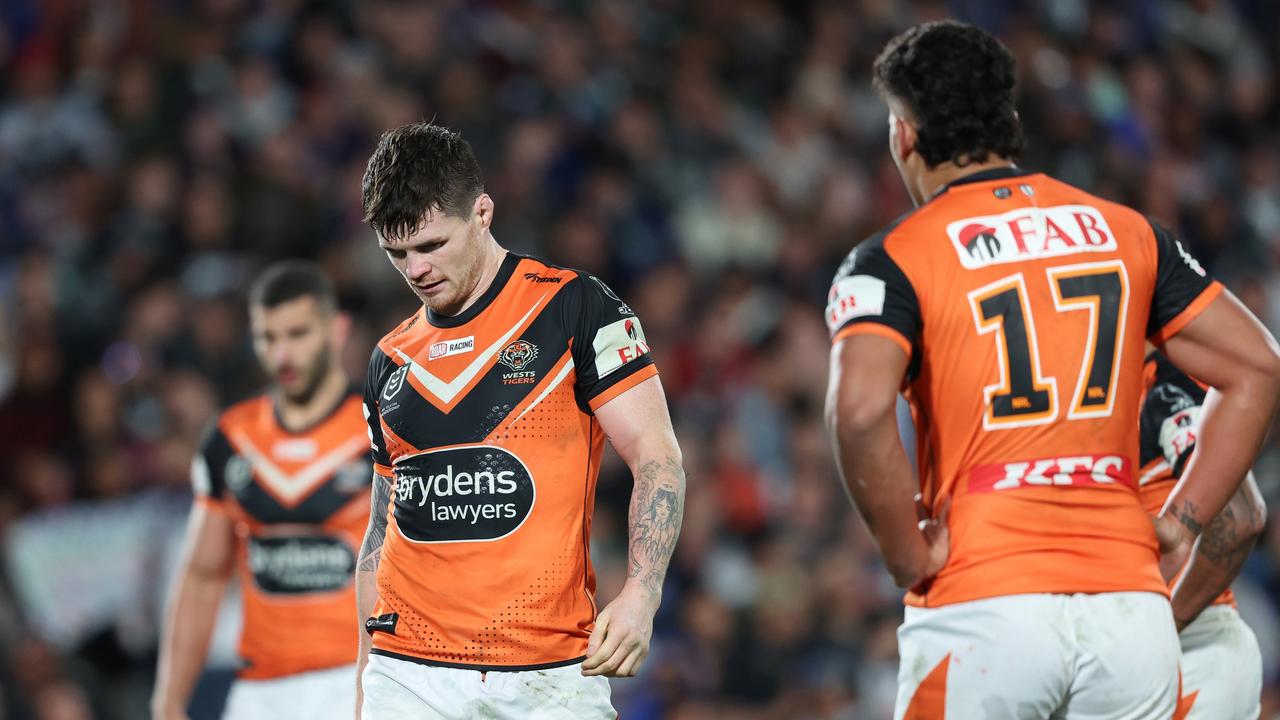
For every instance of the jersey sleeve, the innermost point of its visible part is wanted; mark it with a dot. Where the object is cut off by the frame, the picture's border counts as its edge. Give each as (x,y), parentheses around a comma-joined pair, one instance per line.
(379,365)
(1170,418)
(871,294)
(209,467)
(610,352)
(1182,289)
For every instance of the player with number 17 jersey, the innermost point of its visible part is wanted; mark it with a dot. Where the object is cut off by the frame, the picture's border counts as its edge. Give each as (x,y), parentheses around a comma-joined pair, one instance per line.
(1024,304)
(1013,310)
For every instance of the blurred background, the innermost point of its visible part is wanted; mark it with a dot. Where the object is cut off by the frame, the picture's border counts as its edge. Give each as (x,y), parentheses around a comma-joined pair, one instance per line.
(713,160)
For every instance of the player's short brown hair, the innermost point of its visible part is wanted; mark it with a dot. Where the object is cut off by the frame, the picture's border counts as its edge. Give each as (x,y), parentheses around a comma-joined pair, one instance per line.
(957,82)
(289,280)
(414,170)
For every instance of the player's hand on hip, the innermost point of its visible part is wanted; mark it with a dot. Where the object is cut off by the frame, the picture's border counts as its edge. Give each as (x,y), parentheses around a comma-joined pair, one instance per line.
(1175,545)
(937,535)
(620,640)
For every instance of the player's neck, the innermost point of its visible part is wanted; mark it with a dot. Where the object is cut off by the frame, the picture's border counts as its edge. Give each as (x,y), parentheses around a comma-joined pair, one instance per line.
(490,264)
(931,180)
(300,416)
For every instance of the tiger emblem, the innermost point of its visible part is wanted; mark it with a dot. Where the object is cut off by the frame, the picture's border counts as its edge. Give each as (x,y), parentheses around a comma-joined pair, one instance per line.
(518,355)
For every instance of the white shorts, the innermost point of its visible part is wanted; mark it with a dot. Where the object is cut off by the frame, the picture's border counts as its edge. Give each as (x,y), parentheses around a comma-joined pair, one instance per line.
(1221,667)
(1110,656)
(328,694)
(401,690)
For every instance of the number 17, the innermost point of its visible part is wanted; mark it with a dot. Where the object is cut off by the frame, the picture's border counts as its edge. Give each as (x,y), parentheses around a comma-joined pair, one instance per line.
(1024,396)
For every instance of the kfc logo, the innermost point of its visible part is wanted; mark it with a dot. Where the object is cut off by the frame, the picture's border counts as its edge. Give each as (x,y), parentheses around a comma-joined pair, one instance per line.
(1076,470)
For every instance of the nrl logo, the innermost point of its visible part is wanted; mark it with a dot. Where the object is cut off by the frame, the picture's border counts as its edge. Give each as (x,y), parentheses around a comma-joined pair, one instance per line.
(395,382)
(518,355)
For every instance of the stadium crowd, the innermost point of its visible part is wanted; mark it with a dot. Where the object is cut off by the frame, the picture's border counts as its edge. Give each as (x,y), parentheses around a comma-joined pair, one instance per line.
(713,160)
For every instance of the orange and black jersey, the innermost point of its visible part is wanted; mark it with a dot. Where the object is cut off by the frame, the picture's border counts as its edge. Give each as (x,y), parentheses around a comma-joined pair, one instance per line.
(486,422)
(1170,422)
(299,501)
(1023,304)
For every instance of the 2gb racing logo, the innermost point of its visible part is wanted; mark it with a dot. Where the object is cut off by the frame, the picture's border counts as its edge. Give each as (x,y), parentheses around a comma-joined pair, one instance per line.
(462,494)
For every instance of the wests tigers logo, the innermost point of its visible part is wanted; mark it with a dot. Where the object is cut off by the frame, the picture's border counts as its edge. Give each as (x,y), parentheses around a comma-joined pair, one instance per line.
(518,355)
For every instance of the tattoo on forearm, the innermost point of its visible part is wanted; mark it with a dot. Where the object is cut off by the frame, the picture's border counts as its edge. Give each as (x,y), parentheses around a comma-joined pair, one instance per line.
(1186,516)
(1225,542)
(371,550)
(657,507)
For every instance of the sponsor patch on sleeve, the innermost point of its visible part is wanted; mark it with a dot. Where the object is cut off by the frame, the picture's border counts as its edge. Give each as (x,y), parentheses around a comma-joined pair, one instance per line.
(1178,433)
(855,296)
(617,344)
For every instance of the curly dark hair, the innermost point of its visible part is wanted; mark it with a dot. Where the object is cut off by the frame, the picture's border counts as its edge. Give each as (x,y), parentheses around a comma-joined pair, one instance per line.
(957,83)
(416,169)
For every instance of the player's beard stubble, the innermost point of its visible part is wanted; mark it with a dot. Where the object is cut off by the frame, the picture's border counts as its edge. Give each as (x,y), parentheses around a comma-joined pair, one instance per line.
(312,377)
(460,283)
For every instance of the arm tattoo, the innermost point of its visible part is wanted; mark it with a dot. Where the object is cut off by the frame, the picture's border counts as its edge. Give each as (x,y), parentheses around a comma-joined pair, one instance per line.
(1227,542)
(657,507)
(371,550)
(1186,516)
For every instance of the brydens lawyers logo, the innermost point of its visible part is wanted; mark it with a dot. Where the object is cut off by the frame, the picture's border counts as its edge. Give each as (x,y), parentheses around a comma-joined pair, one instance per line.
(463,494)
(445,348)
(1030,233)
(300,564)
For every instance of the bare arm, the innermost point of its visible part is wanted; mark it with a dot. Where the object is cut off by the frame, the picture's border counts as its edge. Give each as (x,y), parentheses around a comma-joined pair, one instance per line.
(208,552)
(1220,552)
(1226,347)
(866,372)
(639,426)
(367,572)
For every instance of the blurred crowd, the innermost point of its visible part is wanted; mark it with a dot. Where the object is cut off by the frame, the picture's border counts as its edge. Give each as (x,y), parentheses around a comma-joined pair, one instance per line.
(712,159)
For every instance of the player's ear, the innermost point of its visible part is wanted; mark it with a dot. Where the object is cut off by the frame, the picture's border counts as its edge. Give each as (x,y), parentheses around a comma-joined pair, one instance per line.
(482,210)
(340,330)
(904,137)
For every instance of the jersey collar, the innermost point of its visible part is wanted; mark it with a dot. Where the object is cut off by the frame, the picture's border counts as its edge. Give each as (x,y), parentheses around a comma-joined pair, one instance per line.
(352,390)
(998,173)
(499,281)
